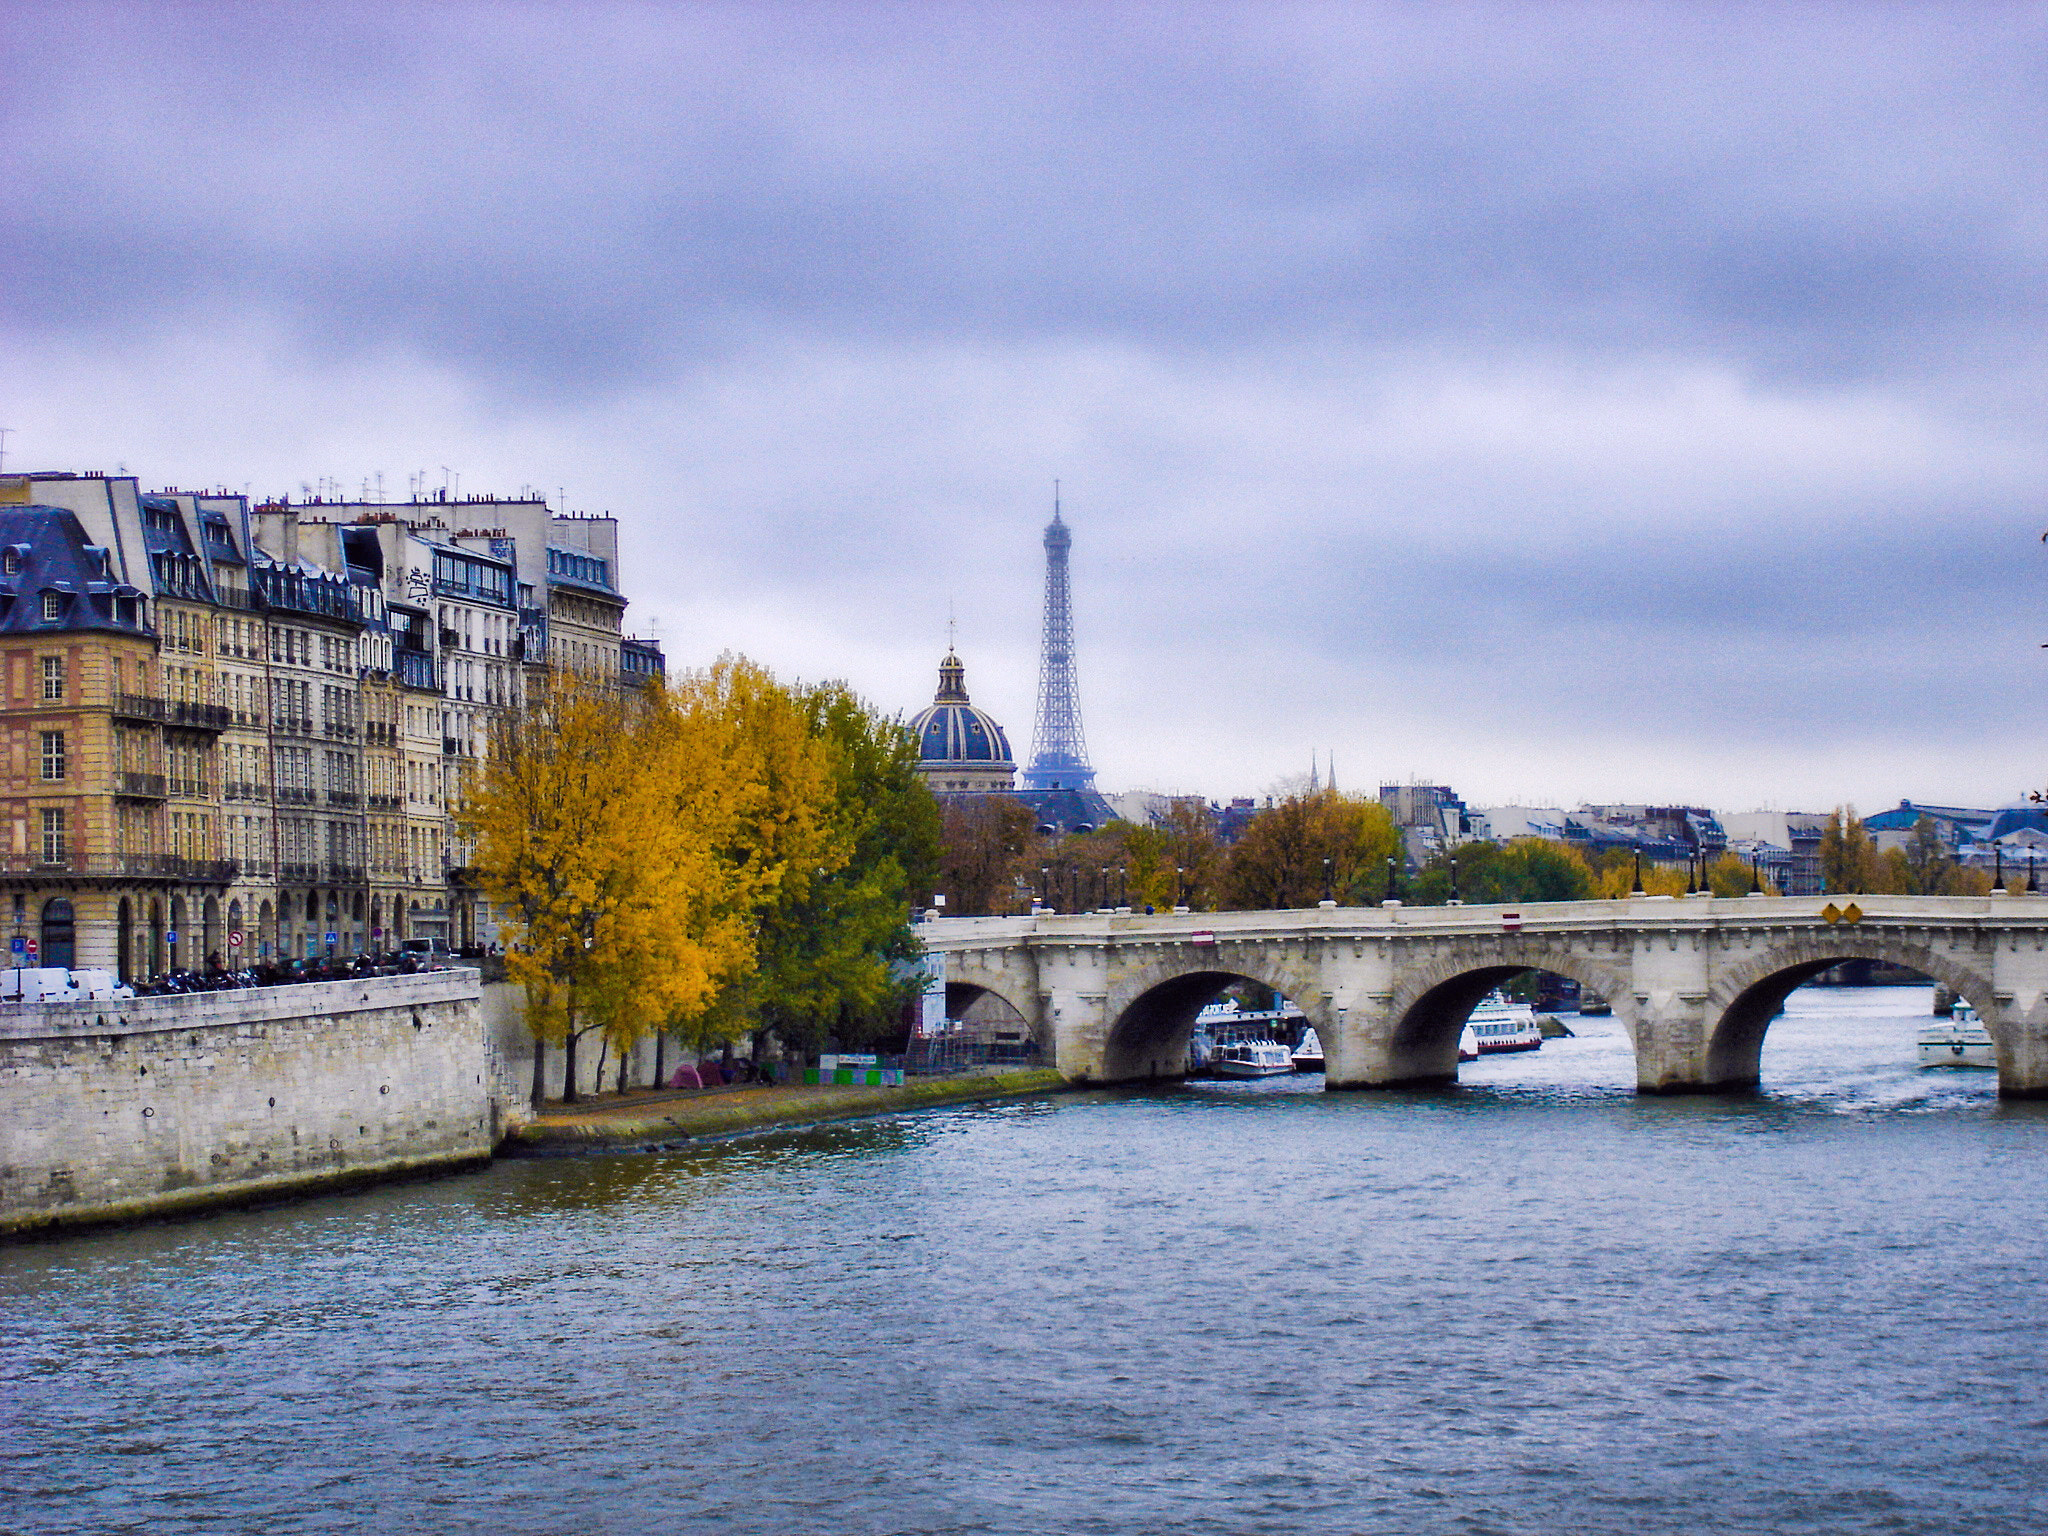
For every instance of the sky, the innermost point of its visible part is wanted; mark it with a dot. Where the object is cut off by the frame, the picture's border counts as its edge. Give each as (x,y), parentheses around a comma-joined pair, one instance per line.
(1562,402)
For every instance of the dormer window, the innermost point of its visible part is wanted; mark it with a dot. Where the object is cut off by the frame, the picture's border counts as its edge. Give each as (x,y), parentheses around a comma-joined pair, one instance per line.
(53,607)
(10,562)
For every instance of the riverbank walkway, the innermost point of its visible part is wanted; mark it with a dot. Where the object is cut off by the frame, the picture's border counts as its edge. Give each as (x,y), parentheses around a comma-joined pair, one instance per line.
(654,1117)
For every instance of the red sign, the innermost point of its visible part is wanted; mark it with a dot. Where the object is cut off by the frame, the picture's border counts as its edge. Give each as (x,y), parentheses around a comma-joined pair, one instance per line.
(234,938)
(1204,937)
(1511,922)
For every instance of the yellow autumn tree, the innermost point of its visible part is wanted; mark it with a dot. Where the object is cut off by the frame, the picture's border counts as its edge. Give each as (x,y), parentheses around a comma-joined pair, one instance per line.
(785,832)
(601,818)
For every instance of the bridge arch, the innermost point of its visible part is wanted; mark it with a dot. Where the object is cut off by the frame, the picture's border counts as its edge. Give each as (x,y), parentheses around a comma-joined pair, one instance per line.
(1747,996)
(1430,1007)
(1152,1013)
(995,983)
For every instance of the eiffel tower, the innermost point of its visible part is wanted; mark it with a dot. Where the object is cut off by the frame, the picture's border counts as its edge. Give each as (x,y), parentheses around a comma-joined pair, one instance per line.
(1059,753)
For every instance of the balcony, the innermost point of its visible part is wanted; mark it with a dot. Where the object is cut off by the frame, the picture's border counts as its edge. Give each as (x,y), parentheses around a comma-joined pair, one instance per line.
(139,786)
(191,789)
(233,597)
(119,866)
(336,732)
(291,725)
(379,734)
(291,873)
(203,717)
(347,799)
(138,706)
(243,791)
(344,874)
(386,803)
(292,795)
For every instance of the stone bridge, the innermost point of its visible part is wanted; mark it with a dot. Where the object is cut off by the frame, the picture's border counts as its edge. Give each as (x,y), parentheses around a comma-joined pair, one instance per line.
(1696,981)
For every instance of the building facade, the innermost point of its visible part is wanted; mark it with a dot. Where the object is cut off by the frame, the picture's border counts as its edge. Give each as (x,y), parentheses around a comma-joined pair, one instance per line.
(240,734)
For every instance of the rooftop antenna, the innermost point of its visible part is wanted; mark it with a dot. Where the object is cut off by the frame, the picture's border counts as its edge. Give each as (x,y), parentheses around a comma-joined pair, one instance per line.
(952,627)
(5,433)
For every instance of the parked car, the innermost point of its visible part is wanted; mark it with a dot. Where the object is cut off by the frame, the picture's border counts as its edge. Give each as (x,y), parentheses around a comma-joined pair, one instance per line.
(426,954)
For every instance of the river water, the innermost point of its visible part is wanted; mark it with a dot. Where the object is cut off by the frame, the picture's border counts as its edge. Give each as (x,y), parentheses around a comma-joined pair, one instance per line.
(1533,1304)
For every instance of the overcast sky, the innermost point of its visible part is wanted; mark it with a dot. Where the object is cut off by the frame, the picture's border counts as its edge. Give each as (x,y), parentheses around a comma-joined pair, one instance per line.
(1561,402)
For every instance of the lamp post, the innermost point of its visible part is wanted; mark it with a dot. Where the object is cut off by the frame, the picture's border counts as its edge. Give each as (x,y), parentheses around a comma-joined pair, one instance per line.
(1756,884)
(1636,885)
(1102,890)
(1045,885)
(1452,860)
(1329,893)
(1391,896)
(2033,884)
(1180,886)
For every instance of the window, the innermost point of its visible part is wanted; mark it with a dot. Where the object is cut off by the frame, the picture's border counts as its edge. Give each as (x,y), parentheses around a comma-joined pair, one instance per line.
(53,607)
(53,837)
(53,677)
(53,754)
(10,563)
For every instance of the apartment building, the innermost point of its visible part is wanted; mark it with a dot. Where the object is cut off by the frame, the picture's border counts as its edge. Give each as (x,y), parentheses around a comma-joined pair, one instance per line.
(237,734)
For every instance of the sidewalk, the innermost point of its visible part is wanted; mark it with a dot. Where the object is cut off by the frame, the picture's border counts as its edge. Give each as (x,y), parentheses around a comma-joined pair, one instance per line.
(651,1117)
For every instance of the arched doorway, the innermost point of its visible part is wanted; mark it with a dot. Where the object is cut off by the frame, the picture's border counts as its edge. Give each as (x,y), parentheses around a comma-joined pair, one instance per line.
(58,944)
(210,947)
(155,967)
(266,929)
(124,941)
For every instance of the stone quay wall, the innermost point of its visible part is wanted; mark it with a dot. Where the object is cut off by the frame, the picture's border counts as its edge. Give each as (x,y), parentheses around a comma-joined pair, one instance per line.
(113,1111)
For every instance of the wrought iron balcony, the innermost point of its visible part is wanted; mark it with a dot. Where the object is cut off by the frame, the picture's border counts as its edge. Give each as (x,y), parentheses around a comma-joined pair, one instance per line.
(204,717)
(139,786)
(139,706)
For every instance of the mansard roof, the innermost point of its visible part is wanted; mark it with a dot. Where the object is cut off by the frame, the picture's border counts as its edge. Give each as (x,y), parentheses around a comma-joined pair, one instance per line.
(44,551)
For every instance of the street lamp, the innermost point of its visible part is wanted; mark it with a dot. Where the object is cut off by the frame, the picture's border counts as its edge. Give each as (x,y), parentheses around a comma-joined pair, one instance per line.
(1756,884)
(1329,893)
(1390,880)
(1045,885)
(1636,887)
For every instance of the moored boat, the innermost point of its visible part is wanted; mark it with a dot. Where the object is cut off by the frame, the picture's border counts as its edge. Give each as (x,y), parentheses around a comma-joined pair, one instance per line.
(1308,1056)
(1959,1041)
(1498,1025)
(1252,1058)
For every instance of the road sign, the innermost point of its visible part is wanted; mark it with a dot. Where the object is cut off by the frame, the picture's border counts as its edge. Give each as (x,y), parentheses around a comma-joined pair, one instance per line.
(31,946)
(330,938)
(376,933)
(171,937)
(234,938)
(20,944)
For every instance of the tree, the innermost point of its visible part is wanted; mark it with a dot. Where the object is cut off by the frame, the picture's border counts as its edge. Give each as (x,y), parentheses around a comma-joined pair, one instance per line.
(598,815)
(1929,867)
(1731,873)
(1295,850)
(1848,857)
(984,841)
(1175,860)
(831,953)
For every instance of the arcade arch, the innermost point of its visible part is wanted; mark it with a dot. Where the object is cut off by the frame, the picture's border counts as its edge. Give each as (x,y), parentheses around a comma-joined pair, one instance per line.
(1149,1037)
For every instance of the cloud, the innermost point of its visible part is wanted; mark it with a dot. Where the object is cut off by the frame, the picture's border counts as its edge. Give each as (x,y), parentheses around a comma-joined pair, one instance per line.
(1577,400)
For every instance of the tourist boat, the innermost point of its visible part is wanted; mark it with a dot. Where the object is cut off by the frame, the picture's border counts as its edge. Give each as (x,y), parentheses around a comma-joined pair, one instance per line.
(1308,1056)
(1498,1025)
(1252,1058)
(1468,1044)
(1961,1041)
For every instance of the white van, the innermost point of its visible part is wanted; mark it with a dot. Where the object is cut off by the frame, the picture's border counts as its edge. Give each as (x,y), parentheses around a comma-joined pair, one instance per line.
(55,984)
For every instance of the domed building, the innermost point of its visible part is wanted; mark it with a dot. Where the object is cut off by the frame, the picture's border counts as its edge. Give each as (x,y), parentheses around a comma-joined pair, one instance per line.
(961,749)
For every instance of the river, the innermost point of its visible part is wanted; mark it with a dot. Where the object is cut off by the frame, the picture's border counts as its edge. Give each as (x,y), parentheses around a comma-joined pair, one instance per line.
(1533,1304)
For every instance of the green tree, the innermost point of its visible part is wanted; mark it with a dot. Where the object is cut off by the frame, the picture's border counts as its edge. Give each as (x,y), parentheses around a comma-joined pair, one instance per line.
(831,952)
(1928,865)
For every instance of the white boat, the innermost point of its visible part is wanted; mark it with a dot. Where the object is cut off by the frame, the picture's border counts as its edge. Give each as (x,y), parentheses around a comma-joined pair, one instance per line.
(1468,1044)
(1308,1056)
(1252,1058)
(1498,1025)
(1962,1041)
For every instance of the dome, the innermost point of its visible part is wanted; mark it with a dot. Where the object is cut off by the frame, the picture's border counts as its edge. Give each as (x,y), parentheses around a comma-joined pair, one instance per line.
(954,737)
(2017,817)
